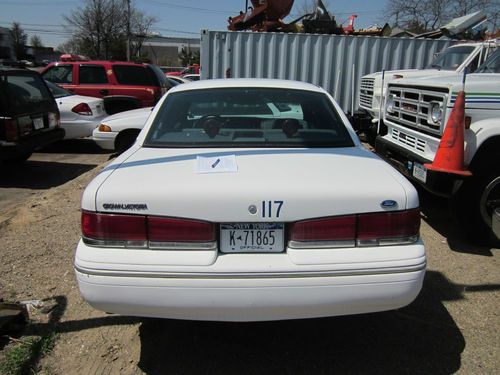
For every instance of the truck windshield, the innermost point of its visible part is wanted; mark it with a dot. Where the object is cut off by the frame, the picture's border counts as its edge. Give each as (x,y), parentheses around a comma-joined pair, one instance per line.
(451,58)
(247,117)
(491,65)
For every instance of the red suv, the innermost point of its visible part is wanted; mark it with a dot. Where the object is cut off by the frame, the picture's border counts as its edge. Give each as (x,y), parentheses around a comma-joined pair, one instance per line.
(123,85)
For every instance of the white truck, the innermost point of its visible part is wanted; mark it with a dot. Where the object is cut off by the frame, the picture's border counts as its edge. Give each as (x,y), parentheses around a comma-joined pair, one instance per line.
(416,114)
(452,60)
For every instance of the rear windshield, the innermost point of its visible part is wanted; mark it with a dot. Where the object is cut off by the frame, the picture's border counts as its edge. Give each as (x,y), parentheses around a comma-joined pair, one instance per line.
(134,75)
(247,117)
(26,93)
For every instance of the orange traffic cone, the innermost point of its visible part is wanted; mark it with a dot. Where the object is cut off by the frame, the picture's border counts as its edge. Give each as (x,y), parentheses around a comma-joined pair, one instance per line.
(450,154)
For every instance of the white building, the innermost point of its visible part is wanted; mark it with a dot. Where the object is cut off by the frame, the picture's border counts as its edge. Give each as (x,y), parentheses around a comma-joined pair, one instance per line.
(164,50)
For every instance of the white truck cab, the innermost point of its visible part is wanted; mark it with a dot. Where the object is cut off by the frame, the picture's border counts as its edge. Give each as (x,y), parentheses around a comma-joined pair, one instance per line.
(416,114)
(452,60)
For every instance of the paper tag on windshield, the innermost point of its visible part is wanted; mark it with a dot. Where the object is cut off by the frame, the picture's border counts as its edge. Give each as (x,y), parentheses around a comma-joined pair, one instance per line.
(216,164)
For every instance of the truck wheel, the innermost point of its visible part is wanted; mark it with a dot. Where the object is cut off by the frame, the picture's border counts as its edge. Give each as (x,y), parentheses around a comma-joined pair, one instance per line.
(125,139)
(474,205)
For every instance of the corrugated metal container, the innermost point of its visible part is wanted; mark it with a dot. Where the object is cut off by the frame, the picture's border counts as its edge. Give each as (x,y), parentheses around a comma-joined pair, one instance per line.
(334,62)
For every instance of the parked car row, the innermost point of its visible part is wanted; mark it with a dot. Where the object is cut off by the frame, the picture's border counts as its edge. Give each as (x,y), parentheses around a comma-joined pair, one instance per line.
(72,100)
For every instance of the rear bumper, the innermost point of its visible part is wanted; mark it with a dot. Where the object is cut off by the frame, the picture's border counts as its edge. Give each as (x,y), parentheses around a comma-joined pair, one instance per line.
(11,150)
(291,291)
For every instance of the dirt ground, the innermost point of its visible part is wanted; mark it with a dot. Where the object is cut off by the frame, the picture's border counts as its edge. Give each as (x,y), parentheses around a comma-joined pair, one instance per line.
(452,327)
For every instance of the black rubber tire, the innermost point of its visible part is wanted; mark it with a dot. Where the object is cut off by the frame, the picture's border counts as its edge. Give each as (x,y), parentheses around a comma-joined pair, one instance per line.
(471,209)
(125,139)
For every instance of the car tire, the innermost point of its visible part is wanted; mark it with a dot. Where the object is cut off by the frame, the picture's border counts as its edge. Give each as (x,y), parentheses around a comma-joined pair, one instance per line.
(473,206)
(125,139)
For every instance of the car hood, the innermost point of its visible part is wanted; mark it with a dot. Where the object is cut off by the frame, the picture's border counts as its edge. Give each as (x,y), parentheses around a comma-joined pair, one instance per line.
(141,112)
(310,182)
(413,73)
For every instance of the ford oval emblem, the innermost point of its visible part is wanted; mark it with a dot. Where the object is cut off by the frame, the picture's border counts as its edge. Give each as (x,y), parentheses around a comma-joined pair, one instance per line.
(389,203)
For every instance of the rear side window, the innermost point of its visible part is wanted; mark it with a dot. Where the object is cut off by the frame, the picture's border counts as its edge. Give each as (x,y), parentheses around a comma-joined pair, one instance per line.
(92,74)
(27,93)
(134,75)
(60,74)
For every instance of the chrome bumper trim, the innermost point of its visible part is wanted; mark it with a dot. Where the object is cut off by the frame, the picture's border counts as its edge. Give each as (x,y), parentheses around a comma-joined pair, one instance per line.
(251,275)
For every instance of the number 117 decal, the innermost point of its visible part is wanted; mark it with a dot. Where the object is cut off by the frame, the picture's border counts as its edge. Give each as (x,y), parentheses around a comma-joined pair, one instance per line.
(271,208)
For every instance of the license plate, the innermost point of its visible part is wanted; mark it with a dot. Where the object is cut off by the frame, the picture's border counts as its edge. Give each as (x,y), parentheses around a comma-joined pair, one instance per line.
(38,123)
(252,237)
(419,172)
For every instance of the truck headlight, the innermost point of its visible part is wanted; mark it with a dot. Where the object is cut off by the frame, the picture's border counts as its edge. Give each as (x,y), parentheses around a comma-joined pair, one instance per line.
(436,113)
(390,105)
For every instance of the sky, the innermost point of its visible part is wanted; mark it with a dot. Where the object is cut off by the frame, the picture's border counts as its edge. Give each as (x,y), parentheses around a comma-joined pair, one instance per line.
(175,18)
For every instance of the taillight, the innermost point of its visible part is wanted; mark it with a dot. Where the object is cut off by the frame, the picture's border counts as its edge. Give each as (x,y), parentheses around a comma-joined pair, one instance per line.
(11,132)
(329,231)
(371,229)
(82,109)
(54,120)
(385,228)
(161,229)
(122,230)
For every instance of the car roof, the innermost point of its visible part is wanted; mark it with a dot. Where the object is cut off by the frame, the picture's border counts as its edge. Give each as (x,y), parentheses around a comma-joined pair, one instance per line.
(8,69)
(247,82)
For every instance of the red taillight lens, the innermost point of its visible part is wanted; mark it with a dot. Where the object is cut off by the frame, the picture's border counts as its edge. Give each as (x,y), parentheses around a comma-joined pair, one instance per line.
(372,229)
(389,225)
(179,230)
(330,229)
(113,227)
(119,230)
(11,132)
(82,109)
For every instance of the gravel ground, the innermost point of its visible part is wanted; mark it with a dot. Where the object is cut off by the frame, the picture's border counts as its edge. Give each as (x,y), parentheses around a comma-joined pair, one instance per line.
(452,327)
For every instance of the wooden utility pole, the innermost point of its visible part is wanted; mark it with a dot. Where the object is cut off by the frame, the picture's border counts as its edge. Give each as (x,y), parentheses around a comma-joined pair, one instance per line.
(128,30)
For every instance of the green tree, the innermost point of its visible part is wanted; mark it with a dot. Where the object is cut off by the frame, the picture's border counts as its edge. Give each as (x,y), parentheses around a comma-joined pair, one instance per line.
(19,39)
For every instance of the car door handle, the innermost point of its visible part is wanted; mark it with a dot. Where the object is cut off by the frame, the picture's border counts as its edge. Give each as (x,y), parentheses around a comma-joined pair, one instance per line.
(104,92)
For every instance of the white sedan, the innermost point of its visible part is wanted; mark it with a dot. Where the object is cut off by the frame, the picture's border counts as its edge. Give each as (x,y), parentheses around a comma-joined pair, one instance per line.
(119,131)
(227,210)
(80,115)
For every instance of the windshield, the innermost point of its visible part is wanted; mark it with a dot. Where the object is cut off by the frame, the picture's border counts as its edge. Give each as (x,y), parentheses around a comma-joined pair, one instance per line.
(26,93)
(57,91)
(247,117)
(451,58)
(491,65)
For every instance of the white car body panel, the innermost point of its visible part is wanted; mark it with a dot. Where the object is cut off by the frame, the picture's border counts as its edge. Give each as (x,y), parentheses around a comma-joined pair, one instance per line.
(134,119)
(255,181)
(77,125)
(209,285)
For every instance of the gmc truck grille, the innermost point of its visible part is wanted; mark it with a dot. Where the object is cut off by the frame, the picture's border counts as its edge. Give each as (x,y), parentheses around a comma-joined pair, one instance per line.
(412,107)
(366,92)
